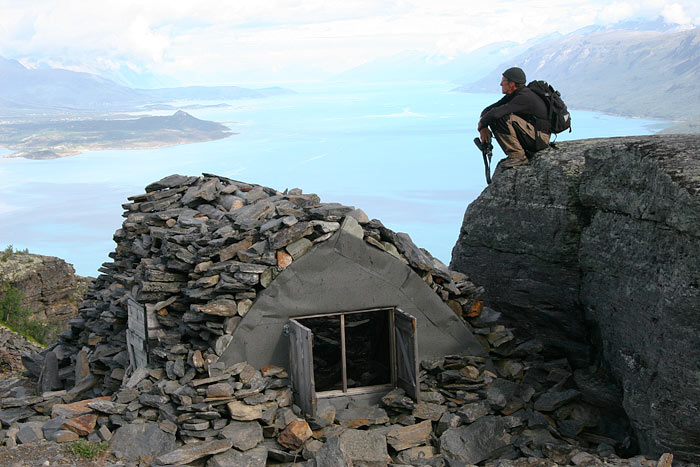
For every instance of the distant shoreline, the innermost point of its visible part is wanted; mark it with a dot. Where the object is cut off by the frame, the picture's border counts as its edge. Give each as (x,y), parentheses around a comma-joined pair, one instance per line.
(58,139)
(46,154)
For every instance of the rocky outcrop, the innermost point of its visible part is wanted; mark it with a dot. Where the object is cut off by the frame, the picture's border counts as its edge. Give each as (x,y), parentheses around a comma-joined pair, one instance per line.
(12,346)
(594,248)
(49,286)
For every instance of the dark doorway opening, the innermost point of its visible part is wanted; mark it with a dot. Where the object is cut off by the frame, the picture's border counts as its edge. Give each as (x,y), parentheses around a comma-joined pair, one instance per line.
(368,348)
(351,350)
(328,356)
(352,353)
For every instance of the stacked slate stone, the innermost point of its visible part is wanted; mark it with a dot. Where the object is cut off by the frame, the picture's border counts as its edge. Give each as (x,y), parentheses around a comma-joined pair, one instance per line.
(195,252)
(516,409)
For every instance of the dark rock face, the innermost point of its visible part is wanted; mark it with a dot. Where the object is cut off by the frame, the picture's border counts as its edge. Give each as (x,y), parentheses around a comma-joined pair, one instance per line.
(594,248)
(520,239)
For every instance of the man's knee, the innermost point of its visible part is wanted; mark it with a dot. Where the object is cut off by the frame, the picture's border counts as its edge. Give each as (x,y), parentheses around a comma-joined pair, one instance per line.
(502,125)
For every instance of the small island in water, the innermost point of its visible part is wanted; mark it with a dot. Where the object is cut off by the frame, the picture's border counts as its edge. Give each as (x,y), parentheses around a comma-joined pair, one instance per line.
(60,138)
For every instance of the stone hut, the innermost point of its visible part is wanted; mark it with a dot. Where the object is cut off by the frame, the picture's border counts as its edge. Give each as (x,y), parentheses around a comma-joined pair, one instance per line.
(209,272)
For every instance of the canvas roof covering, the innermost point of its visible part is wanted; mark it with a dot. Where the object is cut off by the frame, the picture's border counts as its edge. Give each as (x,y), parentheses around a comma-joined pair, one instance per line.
(219,266)
(345,273)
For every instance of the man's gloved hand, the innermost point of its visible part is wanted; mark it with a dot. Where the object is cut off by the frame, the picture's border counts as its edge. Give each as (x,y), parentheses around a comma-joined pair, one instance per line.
(485,135)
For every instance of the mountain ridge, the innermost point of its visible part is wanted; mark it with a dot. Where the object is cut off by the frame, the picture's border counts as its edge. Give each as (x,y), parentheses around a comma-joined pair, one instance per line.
(55,90)
(609,71)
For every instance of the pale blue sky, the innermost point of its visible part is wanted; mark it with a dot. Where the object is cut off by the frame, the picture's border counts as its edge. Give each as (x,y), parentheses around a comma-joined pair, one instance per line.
(219,42)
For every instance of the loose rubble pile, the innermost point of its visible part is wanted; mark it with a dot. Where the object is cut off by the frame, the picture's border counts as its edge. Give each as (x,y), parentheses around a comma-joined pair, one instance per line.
(514,409)
(195,252)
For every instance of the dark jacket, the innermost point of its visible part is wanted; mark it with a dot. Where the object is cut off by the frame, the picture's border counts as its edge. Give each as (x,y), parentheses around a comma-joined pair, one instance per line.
(524,103)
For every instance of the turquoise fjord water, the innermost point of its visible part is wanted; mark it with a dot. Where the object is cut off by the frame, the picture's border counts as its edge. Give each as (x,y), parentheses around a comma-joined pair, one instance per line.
(402,152)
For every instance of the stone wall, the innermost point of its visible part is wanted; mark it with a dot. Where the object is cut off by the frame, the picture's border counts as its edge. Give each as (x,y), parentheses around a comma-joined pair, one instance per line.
(194,253)
(594,248)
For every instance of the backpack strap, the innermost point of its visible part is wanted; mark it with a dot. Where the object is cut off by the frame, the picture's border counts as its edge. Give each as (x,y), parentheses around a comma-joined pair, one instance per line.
(552,143)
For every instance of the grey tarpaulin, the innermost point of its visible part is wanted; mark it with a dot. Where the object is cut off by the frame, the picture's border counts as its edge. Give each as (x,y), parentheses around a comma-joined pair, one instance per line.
(345,274)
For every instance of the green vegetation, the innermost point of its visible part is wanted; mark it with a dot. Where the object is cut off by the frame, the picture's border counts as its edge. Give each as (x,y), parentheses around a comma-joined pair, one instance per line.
(87,449)
(9,251)
(18,318)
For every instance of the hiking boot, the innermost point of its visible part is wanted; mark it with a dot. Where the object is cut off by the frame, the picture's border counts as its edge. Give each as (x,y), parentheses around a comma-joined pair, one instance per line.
(513,162)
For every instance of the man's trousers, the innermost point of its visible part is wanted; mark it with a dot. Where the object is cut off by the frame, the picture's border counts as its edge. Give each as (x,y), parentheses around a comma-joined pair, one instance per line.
(517,137)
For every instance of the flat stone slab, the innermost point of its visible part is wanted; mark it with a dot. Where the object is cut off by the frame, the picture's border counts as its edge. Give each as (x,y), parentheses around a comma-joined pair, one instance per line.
(244,435)
(75,409)
(354,447)
(361,416)
(108,407)
(429,411)
(472,412)
(30,432)
(252,458)
(142,442)
(244,412)
(410,436)
(476,442)
(10,416)
(52,426)
(192,452)
(550,401)
(82,425)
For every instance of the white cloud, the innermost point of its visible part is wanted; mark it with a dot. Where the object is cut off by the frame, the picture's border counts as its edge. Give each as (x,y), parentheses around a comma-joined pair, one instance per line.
(617,11)
(675,13)
(213,39)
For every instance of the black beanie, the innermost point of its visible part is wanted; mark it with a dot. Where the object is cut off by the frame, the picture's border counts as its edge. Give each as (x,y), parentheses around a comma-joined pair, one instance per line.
(515,74)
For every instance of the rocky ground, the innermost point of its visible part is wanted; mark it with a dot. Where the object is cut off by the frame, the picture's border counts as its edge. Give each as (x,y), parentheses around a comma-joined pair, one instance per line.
(47,453)
(12,346)
(521,410)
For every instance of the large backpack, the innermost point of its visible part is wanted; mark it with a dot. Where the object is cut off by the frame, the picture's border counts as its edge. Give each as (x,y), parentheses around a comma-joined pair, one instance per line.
(558,116)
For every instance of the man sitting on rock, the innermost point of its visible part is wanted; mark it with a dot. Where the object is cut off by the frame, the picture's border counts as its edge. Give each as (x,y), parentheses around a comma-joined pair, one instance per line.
(518,120)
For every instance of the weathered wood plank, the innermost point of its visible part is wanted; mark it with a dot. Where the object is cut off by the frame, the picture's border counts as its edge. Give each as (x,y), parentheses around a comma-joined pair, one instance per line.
(301,356)
(406,343)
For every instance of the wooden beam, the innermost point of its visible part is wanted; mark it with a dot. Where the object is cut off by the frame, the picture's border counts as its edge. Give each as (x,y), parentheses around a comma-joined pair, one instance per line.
(343,353)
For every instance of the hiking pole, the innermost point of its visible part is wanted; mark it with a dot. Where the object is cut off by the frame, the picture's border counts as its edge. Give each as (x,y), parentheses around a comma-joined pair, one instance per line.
(487,153)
